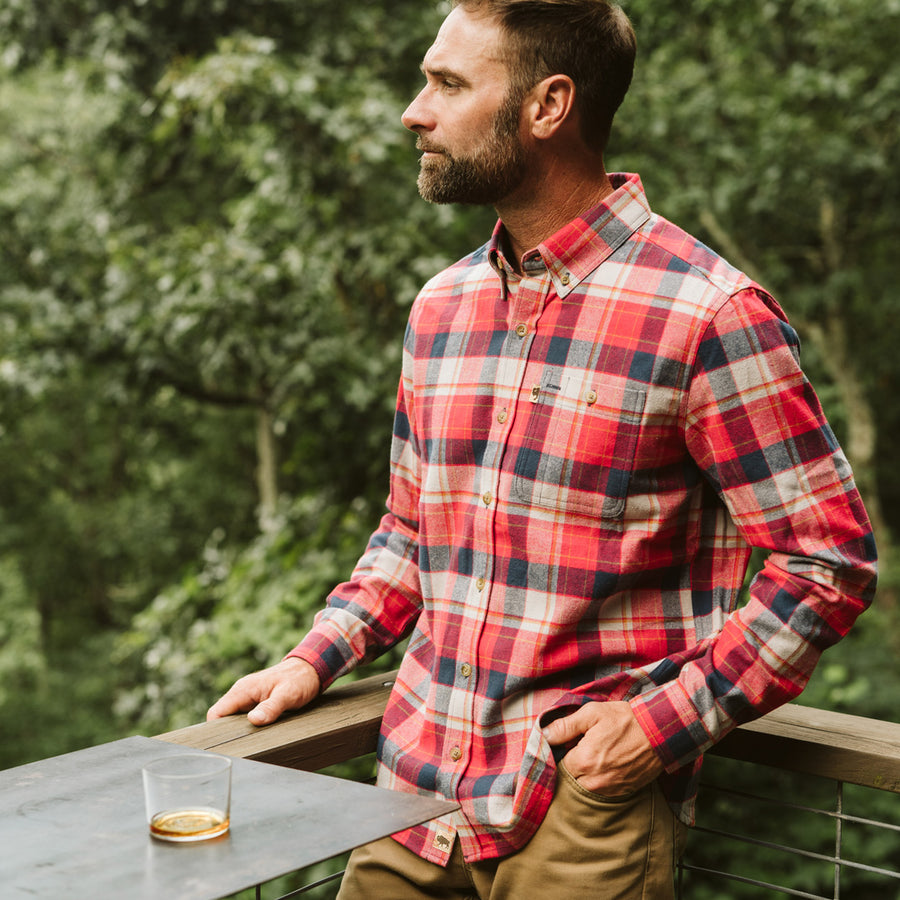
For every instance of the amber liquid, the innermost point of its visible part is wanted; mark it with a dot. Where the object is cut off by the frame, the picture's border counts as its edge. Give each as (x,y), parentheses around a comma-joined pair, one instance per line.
(188,824)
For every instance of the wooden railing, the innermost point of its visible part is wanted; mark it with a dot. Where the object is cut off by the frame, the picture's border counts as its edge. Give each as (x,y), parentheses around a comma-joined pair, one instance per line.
(340,725)
(343,724)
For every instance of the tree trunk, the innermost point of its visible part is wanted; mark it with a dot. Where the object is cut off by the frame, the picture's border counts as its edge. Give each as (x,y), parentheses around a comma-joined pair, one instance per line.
(862,428)
(266,467)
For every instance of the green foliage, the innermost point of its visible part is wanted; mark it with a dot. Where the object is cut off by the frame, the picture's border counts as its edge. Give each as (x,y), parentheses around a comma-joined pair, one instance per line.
(209,235)
(242,610)
(20,656)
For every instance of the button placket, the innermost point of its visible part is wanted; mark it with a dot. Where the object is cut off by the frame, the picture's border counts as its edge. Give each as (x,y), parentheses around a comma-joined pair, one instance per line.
(526,304)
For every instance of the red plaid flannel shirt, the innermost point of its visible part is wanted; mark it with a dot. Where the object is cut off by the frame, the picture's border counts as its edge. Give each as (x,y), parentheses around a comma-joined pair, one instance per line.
(582,459)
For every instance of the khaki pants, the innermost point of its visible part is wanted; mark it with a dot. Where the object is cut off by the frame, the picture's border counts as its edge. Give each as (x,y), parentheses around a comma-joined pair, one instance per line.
(587,847)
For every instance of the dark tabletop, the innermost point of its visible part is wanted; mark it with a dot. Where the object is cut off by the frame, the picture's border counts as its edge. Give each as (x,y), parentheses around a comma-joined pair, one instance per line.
(74,827)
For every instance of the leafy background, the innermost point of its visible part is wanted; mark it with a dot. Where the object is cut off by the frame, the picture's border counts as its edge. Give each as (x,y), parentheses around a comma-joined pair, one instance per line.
(210,236)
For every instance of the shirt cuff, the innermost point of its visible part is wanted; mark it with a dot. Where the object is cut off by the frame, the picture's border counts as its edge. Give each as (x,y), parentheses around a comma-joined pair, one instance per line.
(322,654)
(673,725)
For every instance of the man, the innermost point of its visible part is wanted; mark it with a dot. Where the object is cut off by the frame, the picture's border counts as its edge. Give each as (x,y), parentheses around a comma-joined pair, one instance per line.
(597,418)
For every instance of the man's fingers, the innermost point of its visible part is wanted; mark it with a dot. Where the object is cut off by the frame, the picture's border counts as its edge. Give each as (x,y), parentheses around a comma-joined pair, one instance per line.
(266,712)
(234,701)
(267,694)
(568,728)
(610,754)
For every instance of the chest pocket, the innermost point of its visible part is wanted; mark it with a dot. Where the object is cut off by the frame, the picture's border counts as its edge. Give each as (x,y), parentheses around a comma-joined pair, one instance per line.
(577,452)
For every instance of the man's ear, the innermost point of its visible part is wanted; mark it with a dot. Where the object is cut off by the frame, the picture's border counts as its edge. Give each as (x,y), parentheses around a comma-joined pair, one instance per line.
(550,104)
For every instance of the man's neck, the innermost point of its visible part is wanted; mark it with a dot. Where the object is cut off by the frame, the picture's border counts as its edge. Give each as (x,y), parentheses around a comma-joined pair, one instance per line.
(547,203)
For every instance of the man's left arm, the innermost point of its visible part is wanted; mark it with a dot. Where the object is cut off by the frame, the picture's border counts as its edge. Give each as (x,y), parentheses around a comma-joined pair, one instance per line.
(756,429)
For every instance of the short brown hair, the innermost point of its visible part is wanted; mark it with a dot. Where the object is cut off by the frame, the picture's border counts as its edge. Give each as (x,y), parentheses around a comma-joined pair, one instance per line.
(591,41)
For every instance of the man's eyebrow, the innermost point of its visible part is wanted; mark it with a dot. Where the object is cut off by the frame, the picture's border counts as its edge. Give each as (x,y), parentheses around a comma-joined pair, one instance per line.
(440,72)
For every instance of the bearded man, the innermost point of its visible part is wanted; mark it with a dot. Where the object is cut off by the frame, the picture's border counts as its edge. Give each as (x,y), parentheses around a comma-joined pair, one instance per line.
(598,418)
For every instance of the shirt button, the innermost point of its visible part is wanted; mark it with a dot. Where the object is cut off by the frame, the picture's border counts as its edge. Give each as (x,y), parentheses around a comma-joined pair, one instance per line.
(465,670)
(565,278)
(486,498)
(456,754)
(521,330)
(591,397)
(502,416)
(480,584)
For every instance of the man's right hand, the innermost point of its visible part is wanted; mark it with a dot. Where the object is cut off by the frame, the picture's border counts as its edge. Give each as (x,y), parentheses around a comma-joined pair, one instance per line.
(290,684)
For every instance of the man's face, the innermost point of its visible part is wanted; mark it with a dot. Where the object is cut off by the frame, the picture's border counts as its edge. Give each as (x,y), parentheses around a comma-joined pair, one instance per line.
(466,117)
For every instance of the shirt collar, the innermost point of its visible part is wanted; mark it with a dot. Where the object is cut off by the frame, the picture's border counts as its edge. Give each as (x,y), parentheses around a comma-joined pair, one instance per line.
(583,244)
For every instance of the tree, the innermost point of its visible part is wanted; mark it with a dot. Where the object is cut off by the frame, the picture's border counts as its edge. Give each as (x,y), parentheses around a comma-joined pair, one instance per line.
(209,235)
(95,502)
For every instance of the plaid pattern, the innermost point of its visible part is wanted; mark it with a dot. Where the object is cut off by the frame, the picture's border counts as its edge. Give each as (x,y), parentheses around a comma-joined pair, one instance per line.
(582,459)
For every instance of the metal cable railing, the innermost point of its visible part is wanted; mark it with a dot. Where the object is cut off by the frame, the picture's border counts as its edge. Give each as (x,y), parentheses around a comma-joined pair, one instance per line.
(693,870)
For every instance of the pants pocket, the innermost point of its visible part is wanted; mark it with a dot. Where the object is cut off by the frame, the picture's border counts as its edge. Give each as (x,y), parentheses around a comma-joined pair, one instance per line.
(567,779)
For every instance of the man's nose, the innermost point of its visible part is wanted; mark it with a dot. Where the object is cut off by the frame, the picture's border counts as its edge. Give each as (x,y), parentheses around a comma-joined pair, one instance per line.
(416,117)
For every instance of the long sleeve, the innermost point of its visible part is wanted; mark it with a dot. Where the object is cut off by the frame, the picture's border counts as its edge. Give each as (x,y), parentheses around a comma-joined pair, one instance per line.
(755,428)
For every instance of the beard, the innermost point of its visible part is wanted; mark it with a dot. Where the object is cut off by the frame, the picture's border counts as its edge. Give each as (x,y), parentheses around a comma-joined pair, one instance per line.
(487,174)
